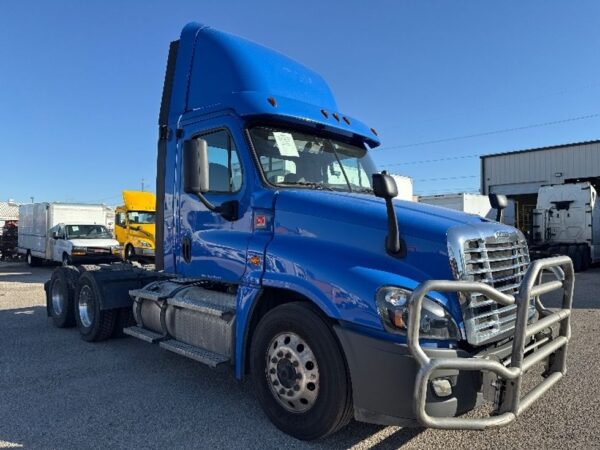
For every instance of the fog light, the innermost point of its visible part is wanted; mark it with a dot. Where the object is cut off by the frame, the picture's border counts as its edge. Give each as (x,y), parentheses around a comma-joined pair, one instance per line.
(442,387)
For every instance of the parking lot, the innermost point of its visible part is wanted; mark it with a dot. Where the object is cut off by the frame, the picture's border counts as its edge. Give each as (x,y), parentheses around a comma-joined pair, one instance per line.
(57,391)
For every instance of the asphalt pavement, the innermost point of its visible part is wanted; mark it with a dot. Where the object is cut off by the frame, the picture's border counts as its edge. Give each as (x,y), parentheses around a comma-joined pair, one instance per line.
(59,392)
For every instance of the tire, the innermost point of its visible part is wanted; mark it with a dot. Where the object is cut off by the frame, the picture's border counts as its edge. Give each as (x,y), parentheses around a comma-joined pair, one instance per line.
(124,319)
(586,258)
(329,407)
(61,296)
(575,254)
(129,253)
(93,323)
(32,261)
(66,260)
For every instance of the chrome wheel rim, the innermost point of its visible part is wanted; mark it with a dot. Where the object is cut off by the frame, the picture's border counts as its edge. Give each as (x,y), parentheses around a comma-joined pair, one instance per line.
(86,306)
(292,372)
(58,298)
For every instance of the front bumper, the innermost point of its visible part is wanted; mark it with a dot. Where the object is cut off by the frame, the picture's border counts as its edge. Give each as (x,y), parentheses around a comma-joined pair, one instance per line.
(144,251)
(391,383)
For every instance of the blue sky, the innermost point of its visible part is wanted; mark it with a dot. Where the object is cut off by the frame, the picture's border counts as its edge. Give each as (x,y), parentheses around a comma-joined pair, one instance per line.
(80,82)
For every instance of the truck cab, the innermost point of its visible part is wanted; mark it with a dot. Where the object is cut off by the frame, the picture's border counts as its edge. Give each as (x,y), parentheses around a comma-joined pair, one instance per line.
(134,225)
(282,251)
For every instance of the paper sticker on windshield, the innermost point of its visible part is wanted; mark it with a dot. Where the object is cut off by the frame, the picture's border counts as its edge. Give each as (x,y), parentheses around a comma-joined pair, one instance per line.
(75,228)
(286,144)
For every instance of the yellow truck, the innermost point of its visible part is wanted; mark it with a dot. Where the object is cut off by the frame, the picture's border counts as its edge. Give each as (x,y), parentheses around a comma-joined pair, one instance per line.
(134,225)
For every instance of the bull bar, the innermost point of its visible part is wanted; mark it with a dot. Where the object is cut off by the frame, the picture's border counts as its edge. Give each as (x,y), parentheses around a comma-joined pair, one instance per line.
(510,404)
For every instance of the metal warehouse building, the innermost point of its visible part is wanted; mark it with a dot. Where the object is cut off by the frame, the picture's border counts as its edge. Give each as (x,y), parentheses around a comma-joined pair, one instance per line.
(520,174)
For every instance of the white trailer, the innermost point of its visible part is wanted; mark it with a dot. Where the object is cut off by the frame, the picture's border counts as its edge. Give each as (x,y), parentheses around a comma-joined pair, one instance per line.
(566,221)
(469,203)
(65,232)
(405,187)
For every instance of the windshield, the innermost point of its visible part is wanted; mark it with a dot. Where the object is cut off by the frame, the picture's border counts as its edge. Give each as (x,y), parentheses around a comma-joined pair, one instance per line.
(87,232)
(143,217)
(292,158)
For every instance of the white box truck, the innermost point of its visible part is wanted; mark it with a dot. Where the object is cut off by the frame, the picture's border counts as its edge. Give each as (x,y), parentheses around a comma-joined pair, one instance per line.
(65,232)
(566,221)
(470,203)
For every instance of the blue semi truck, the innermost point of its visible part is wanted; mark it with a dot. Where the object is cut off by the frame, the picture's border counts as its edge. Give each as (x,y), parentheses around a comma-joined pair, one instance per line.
(281,251)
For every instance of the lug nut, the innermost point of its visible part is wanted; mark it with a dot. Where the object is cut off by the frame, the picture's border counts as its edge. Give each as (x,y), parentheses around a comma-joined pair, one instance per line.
(275,383)
(273,360)
(290,393)
(296,387)
(288,355)
(272,370)
(295,363)
(280,354)
(282,391)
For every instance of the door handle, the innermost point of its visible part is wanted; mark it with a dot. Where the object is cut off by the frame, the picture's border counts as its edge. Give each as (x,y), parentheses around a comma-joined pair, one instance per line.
(186,249)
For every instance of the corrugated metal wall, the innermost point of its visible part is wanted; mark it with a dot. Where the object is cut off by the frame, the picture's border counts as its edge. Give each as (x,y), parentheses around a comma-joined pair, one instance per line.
(524,172)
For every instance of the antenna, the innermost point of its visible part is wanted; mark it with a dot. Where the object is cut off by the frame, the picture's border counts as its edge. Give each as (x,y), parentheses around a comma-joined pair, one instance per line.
(31,199)
(142,184)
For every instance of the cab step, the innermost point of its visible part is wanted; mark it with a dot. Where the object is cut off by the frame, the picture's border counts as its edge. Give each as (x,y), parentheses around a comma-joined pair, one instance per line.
(204,356)
(143,334)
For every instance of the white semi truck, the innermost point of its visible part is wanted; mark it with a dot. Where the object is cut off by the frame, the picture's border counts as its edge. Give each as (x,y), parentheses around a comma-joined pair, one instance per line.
(66,232)
(566,221)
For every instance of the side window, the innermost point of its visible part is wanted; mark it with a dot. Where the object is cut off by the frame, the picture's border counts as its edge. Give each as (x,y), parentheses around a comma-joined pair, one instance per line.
(225,172)
(120,219)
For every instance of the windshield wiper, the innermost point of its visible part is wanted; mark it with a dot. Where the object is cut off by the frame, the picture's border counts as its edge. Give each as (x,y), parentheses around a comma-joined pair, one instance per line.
(362,189)
(312,184)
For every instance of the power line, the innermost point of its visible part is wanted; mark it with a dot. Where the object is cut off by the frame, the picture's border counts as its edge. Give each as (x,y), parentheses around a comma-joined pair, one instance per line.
(460,177)
(491,132)
(424,161)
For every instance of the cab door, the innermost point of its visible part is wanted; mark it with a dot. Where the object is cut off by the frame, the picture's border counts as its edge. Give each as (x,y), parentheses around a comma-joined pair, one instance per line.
(121,226)
(209,245)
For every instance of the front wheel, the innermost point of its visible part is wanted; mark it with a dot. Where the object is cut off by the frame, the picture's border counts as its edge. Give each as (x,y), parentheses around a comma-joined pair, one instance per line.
(299,372)
(94,323)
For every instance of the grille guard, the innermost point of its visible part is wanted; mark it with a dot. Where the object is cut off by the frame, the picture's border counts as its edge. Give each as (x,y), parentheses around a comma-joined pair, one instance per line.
(510,404)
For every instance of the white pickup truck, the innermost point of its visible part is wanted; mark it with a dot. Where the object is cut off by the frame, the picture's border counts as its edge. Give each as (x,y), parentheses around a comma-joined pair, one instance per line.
(67,233)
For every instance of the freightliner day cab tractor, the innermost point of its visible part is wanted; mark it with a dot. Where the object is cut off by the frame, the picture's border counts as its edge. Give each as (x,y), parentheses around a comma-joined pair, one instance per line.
(134,225)
(280,252)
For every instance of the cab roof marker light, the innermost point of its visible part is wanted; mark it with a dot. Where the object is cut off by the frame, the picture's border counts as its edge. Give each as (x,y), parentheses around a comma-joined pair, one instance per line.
(272,102)
(325,113)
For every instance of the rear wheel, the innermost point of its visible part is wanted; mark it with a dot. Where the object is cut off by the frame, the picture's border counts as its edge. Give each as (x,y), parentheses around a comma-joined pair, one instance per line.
(94,324)
(62,295)
(33,261)
(299,372)
(586,260)
(574,253)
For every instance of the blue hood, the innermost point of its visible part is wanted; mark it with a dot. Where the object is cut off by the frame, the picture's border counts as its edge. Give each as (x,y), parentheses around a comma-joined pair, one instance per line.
(359,221)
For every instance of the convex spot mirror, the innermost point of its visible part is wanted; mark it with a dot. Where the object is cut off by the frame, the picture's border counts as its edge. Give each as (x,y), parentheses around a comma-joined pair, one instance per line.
(498,201)
(195,166)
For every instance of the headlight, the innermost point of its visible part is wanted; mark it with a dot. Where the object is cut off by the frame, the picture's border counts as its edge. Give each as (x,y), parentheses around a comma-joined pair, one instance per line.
(436,322)
(116,249)
(145,244)
(78,251)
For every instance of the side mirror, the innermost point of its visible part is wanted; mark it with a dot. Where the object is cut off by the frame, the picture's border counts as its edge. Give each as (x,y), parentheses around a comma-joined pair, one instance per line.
(498,202)
(55,235)
(195,166)
(384,186)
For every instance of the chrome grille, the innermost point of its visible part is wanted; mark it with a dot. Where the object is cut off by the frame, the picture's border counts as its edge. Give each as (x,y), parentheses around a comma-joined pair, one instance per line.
(500,261)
